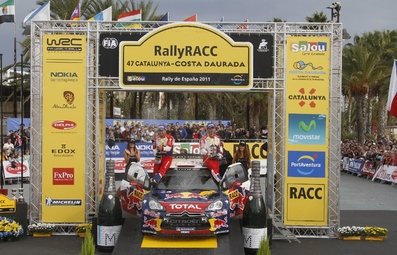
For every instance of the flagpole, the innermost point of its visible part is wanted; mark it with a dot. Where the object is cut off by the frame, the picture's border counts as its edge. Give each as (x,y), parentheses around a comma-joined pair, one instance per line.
(1,121)
(22,125)
(15,59)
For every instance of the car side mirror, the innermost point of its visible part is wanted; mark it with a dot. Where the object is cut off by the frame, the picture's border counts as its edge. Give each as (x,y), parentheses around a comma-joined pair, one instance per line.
(139,175)
(234,173)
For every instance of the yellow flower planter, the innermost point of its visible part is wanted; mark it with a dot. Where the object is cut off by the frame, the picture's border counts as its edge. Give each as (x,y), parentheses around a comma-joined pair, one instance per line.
(42,234)
(351,238)
(375,238)
(366,238)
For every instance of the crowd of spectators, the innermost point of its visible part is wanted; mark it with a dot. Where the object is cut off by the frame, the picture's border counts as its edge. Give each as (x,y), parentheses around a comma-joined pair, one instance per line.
(182,132)
(382,150)
(12,147)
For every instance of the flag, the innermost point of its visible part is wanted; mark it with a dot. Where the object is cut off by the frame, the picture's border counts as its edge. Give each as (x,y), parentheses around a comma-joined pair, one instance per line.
(41,13)
(166,17)
(76,13)
(191,18)
(105,15)
(392,98)
(243,25)
(7,11)
(135,15)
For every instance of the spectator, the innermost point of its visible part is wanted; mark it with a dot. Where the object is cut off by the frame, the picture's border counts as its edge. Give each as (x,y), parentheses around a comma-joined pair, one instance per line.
(8,149)
(243,155)
(131,154)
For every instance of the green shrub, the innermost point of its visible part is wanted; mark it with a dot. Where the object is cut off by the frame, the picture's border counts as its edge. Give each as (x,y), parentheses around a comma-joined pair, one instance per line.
(88,246)
(264,248)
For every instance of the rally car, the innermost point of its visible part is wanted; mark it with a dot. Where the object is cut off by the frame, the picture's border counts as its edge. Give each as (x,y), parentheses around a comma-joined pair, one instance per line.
(187,200)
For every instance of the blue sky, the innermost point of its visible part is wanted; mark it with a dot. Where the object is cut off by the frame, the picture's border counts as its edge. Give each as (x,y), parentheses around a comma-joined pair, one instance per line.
(357,16)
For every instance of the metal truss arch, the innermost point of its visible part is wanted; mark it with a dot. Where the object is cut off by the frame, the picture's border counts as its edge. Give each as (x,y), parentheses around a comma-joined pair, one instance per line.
(274,87)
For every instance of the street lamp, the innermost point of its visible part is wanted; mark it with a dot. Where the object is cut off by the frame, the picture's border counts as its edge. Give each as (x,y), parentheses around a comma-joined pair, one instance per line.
(335,11)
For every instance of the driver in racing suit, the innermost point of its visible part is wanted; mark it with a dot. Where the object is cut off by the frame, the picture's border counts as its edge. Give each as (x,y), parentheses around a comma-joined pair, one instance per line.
(163,145)
(212,151)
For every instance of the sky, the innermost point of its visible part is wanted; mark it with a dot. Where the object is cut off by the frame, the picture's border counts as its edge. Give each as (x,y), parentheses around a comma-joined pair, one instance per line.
(357,16)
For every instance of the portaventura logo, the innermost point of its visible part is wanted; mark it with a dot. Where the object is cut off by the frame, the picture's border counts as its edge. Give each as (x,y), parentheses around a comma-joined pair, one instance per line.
(309,46)
(64,124)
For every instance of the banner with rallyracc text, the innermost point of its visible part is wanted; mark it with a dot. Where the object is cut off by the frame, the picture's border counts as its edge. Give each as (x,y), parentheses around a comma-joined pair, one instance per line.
(64,106)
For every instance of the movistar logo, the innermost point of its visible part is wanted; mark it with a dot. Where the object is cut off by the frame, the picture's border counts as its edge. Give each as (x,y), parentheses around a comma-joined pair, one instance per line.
(305,127)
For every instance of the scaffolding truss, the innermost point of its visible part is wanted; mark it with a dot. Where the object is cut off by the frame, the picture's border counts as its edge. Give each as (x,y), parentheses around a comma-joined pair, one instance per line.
(273,86)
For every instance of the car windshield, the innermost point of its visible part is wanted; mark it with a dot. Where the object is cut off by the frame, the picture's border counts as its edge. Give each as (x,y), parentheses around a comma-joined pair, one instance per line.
(187,179)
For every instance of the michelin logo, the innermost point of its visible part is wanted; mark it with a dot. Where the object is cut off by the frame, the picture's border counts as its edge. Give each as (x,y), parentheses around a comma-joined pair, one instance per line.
(69,202)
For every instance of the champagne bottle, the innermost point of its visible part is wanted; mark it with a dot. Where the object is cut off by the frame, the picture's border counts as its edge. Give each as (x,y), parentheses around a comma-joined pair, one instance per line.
(254,225)
(110,218)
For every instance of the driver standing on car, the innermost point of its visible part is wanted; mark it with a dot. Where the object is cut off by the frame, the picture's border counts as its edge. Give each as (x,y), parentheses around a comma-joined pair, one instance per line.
(163,145)
(212,151)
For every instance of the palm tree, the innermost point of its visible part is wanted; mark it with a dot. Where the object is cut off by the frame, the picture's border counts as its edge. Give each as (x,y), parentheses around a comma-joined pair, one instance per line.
(317,17)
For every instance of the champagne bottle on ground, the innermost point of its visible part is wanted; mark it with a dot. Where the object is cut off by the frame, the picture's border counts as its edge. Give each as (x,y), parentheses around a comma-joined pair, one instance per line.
(254,221)
(110,218)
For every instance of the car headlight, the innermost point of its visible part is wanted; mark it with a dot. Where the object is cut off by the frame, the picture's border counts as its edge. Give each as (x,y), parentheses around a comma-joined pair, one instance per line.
(215,206)
(154,205)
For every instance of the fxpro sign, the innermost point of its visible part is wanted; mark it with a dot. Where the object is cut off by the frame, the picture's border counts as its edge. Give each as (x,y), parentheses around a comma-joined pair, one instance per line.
(185,55)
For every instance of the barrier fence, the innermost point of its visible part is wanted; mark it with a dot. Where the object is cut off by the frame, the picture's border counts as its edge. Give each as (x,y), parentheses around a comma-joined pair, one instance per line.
(372,169)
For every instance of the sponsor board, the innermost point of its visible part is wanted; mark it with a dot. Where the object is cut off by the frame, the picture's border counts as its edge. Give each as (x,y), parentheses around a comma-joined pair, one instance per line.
(63,120)
(306,164)
(307,129)
(306,204)
(185,55)
(12,169)
(63,176)
(7,205)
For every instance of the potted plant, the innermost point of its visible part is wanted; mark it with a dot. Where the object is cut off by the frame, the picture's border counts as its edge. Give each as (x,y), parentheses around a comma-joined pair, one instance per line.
(264,247)
(88,246)
(375,233)
(10,229)
(362,233)
(41,229)
(82,229)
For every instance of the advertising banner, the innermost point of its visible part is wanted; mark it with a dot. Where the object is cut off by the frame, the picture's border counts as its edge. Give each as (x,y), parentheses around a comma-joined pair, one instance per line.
(386,173)
(355,165)
(263,51)
(12,169)
(185,55)
(306,147)
(64,128)
(147,157)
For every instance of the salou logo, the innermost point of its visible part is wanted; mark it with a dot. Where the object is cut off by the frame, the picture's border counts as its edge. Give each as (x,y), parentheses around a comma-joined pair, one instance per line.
(62,176)
(306,164)
(110,43)
(309,46)
(64,124)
